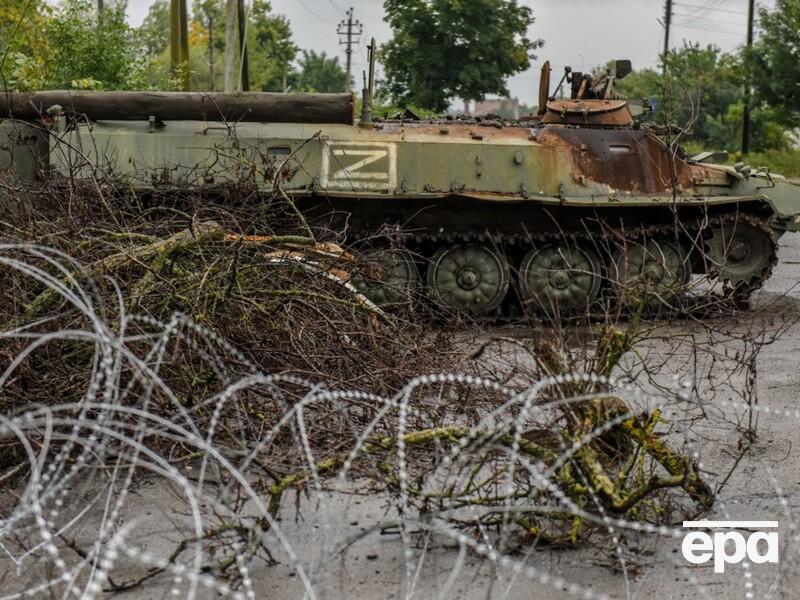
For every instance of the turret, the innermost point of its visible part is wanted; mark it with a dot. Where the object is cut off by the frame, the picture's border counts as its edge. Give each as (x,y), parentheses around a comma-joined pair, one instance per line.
(593,101)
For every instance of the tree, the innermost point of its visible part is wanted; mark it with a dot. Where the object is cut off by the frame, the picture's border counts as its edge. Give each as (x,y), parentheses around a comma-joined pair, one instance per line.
(155,28)
(318,73)
(154,32)
(774,61)
(700,86)
(443,49)
(69,46)
(83,52)
(766,130)
(214,48)
(272,50)
(703,90)
(209,14)
(23,46)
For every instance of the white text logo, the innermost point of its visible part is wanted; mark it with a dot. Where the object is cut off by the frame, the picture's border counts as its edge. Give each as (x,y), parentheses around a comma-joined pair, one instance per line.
(759,547)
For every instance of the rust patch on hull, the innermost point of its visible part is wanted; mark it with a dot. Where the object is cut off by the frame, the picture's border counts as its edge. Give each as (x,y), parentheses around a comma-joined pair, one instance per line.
(588,113)
(624,159)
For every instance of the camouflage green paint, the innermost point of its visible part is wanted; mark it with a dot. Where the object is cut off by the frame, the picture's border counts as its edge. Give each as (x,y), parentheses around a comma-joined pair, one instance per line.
(559,165)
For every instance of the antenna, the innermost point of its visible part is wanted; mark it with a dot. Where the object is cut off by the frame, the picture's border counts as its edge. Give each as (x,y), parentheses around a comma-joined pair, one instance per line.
(369,88)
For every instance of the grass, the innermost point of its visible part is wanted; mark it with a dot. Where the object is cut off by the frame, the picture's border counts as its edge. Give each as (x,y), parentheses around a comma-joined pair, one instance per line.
(783,162)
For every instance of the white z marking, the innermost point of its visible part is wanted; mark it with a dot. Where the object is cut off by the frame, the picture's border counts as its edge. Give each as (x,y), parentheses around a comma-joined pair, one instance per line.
(379,157)
(354,170)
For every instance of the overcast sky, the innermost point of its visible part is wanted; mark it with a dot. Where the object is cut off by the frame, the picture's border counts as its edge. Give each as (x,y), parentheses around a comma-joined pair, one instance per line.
(579,33)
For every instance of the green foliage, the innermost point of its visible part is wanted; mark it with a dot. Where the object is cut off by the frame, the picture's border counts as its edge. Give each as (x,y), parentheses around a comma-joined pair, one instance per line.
(704,88)
(21,72)
(318,73)
(646,83)
(704,92)
(68,47)
(271,49)
(207,43)
(211,15)
(107,51)
(443,49)
(774,61)
(22,42)
(766,130)
(783,162)
(154,30)
(701,83)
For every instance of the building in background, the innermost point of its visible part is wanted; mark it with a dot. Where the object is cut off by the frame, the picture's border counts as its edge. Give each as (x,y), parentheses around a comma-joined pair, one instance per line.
(508,108)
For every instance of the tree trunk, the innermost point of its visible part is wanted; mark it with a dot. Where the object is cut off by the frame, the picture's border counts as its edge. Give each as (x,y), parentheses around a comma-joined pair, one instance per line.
(230,45)
(174,36)
(184,46)
(244,69)
(211,51)
(179,43)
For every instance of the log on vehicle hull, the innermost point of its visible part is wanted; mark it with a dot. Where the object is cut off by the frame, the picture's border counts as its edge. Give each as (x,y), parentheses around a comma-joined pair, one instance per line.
(184,106)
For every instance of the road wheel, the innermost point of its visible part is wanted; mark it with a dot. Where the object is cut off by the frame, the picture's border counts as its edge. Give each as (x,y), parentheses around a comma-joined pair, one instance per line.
(653,271)
(469,278)
(387,276)
(560,279)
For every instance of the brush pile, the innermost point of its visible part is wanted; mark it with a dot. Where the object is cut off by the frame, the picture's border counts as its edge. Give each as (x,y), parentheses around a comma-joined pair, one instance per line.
(225,337)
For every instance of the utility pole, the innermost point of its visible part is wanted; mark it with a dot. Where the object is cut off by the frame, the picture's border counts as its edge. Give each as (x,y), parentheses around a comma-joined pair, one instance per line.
(244,69)
(751,9)
(349,29)
(667,27)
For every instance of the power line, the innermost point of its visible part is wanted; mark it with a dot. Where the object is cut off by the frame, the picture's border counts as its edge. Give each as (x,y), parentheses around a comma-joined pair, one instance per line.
(685,26)
(336,6)
(320,17)
(723,25)
(708,8)
(697,10)
(717,20)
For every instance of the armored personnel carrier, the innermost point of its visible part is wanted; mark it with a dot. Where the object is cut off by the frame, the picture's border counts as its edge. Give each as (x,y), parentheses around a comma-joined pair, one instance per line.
(573,204)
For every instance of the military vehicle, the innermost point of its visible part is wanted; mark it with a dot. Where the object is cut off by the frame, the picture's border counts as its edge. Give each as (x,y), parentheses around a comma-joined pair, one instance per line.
(574,204)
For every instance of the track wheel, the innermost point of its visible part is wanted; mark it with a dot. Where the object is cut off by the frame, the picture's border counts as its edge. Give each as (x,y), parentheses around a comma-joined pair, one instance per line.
(560,278)
(740,252)
(470,278)
(652,270)
(387,276)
